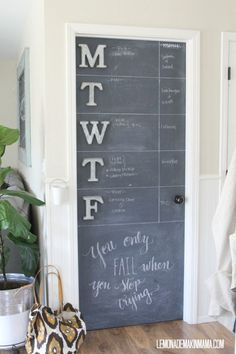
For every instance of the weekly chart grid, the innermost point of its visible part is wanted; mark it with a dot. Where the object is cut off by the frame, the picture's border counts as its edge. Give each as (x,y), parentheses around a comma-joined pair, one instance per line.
(130,166)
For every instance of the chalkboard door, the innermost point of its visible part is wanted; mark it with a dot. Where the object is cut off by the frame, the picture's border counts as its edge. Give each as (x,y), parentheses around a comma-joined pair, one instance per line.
(130,179)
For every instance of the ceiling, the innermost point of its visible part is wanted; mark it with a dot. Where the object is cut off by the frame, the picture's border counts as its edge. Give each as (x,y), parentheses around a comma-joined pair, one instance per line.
(13,14)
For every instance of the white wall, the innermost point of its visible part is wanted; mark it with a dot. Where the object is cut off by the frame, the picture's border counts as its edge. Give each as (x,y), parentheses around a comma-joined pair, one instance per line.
(210,17)
(33,38)
(48,92)
(45,35)
(209,193)
(8,106)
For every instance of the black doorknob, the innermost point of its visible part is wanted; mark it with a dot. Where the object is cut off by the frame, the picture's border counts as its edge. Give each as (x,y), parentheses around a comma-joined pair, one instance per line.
(179,199)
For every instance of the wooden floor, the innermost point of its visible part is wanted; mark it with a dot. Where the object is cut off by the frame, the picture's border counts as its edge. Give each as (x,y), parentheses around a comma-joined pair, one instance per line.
(142,339)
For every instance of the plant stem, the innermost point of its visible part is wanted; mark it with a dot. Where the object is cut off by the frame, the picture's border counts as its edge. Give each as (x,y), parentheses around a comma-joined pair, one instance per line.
(3,260)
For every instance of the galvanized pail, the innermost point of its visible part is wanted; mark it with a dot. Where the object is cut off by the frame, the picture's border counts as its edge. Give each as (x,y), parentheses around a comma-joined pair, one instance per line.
(14,311)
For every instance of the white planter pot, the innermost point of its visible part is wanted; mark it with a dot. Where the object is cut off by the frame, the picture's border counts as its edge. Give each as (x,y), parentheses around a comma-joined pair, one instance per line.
(14,312)
(13,330)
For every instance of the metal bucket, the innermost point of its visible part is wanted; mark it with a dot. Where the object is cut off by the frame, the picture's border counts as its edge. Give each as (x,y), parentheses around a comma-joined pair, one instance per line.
(14,310)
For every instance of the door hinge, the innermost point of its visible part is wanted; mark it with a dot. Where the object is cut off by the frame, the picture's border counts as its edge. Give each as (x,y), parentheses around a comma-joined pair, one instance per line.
(229,73)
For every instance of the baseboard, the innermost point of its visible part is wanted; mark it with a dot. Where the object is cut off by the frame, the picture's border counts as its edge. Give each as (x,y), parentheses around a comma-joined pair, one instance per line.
(209,177)
(205,319)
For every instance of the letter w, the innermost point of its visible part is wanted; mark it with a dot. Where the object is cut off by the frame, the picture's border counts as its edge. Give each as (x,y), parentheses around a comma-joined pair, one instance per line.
(94,131)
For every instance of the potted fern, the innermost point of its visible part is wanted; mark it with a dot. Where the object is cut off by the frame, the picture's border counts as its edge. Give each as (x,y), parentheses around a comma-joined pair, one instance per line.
(15,295)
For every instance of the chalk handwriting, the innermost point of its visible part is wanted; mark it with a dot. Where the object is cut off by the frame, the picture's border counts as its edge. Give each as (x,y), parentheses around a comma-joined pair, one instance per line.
(138,239)
(98,286)
(100,251)
(154,266)
(124,266)
(133,300)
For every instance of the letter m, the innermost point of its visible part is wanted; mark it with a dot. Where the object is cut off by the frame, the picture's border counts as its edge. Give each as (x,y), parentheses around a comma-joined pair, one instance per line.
(86,54)
(94,133)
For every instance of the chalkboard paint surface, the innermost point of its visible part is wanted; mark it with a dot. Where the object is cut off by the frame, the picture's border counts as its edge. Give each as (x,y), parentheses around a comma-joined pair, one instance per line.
(139,132)
(121,169)
(140,269)
(169,210)
(124,57)
(130,229)
(172,134)
(172,96)
(122,206)
(123,95)
(172,60)
(172,172)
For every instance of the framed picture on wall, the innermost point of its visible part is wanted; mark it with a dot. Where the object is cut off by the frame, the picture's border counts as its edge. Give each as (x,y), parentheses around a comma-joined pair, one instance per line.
(23,107)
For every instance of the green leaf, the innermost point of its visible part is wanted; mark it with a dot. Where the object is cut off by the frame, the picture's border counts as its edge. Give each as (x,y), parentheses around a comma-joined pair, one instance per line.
(28,197)
(2,149)
(3,174)
(8,136)
(29,258)
(16,224)
(29,254)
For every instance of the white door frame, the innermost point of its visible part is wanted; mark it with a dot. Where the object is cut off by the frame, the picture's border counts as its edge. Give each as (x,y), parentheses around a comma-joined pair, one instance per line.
(192,39)
(226,38)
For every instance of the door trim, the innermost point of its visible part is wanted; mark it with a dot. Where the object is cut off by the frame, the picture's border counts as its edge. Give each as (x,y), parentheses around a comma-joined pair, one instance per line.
(192,40)
(226,38)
